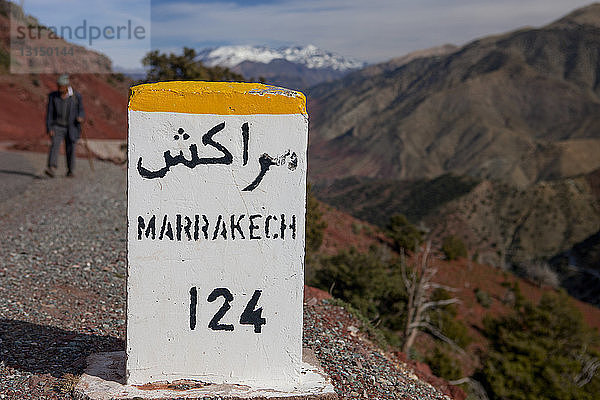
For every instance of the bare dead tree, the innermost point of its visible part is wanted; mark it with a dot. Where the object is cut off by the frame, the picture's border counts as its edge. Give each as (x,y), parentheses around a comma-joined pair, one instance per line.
(589,368)
(477,390)
(418,284)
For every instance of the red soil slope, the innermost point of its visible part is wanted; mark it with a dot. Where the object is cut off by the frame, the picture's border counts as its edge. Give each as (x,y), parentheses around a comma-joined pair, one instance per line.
(466,277)
(24,99)
(463,275)
(344,231)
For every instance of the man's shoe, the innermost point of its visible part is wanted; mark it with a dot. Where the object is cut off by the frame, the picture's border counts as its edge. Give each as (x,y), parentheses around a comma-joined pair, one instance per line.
(49,171)
(70,174)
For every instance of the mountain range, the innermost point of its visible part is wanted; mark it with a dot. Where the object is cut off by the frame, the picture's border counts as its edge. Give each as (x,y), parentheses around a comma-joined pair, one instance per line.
(297,67)
(520,107)
(497,141)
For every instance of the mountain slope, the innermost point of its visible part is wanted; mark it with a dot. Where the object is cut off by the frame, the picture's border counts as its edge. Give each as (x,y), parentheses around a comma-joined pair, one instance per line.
(496,142)
(24,96)
(520,107)
(499,223)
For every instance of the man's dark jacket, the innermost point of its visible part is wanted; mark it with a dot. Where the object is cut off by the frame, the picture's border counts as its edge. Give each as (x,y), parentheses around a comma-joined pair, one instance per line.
(76,110)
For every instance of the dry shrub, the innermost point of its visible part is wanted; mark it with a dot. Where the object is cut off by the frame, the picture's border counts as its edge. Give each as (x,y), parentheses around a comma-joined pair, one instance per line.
(540,273)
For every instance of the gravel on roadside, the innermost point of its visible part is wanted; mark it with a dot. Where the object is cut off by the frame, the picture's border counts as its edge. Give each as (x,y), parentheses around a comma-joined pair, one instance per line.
(62,295)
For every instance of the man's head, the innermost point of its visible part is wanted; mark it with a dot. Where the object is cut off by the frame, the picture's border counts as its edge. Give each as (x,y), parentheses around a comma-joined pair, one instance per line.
(63,84)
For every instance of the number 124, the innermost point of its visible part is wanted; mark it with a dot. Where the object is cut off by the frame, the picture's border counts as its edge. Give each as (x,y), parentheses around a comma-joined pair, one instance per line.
(250,316)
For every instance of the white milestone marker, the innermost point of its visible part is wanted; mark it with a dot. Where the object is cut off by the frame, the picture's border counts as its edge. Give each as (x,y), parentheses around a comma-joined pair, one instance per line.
(216,210)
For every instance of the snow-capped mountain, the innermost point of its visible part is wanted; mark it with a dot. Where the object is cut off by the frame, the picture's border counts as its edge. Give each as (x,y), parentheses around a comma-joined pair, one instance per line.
(292,67)
(310,56)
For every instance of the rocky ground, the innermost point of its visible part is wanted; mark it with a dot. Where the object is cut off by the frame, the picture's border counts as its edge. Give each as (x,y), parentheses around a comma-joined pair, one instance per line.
(62,290)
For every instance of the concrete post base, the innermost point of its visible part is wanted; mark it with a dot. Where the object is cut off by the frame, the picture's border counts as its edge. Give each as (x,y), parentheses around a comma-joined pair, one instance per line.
(104,379)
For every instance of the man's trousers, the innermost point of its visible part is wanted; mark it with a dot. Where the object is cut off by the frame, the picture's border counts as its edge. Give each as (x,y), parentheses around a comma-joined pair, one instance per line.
(60,135)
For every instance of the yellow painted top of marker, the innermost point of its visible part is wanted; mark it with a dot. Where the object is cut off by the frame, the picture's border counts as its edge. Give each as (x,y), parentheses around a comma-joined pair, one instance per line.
(222,98)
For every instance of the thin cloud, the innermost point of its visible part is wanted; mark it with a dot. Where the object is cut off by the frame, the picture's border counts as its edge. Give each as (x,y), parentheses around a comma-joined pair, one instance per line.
(372,31)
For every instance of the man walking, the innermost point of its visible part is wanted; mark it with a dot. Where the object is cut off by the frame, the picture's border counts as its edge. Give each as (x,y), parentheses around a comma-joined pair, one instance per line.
(63,123)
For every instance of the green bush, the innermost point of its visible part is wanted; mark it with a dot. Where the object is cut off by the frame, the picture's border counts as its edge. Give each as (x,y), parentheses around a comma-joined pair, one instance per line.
(315,226)
(513,296)
(169,67)
(443,365)
(4,59)
(453,247)
(404,235)
(372,283)
(365,280)
(541,352)
(483,298)
(413,354)
(444,319)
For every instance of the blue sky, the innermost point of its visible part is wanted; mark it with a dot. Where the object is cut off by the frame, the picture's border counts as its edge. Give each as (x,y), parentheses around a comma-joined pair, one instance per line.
(374,30)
